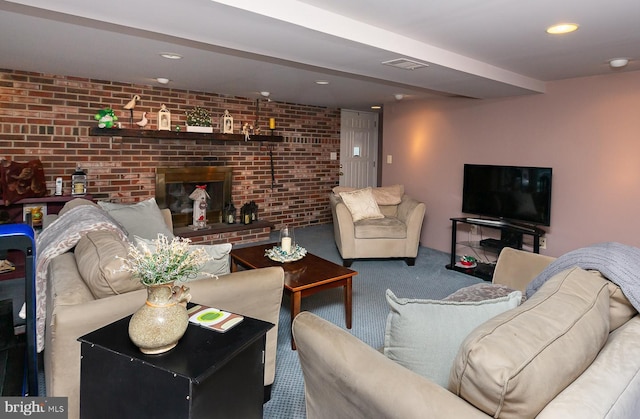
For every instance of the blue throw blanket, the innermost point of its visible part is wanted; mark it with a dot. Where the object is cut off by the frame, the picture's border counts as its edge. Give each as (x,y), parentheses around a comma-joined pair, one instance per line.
(619,263)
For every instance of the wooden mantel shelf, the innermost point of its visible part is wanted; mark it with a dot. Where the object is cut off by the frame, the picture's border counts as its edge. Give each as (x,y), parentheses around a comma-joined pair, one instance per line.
(178,135)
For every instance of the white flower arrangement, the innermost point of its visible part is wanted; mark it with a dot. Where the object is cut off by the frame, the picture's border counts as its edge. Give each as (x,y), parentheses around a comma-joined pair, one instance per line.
(170,261)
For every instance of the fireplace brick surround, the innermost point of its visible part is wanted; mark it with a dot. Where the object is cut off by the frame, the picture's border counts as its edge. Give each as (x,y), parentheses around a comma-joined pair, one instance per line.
(49,117)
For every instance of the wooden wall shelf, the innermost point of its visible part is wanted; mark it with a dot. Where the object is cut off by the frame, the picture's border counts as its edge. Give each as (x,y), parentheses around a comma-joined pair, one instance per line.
(179,135)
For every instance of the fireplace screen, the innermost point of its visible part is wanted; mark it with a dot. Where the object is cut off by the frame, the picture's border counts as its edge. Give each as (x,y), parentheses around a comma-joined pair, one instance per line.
(175,184)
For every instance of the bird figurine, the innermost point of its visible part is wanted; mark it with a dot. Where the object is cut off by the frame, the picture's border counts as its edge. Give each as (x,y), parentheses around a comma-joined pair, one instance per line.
(144,121)
(131,105)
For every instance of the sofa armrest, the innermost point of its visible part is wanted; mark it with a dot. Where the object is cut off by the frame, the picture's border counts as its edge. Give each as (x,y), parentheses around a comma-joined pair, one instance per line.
(411,212)
(346,378)
(516,268)
(255,293)
(407,209)
(343,227)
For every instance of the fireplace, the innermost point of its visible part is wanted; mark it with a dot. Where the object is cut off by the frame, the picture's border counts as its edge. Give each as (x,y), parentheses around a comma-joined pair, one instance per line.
(175,184)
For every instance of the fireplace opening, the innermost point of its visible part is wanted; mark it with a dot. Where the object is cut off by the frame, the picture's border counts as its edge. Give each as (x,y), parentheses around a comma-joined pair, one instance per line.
(175,184)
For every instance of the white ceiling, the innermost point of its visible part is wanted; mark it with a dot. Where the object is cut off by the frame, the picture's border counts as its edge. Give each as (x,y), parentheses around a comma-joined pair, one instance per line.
(479,49)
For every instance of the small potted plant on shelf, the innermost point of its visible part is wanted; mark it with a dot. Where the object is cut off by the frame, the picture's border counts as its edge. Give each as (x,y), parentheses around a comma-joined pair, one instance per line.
(199,120)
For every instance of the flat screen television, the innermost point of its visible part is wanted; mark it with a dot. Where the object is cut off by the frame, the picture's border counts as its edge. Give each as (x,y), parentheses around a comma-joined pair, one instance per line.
(510,193)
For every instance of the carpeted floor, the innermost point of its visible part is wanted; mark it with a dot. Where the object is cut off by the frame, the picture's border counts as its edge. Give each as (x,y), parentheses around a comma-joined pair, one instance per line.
(427,279)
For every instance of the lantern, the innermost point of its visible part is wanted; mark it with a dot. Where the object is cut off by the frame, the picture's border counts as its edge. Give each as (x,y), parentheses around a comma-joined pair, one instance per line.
(229,214)
(254,211)
(245,214)
(164,119)
(78,182)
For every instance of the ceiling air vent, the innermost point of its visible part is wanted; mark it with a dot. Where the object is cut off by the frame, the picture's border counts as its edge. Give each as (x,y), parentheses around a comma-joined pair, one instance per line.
(405,64)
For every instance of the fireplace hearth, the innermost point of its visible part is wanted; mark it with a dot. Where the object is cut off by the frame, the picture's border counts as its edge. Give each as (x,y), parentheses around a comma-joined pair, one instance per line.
(175,184)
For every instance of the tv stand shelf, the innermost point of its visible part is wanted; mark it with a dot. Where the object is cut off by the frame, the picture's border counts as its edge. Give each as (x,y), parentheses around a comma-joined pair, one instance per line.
(511,236)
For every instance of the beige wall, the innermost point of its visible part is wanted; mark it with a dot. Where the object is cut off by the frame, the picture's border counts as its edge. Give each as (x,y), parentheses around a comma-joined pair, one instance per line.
(587,129)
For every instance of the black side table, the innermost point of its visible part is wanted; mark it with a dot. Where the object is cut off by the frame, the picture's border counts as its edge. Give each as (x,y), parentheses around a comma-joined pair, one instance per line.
(208,375)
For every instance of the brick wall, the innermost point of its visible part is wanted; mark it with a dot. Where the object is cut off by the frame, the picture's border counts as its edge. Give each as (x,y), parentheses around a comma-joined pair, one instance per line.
(49,116)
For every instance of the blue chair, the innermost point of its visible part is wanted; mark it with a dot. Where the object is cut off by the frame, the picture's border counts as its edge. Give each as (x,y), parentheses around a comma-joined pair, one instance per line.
(21,237)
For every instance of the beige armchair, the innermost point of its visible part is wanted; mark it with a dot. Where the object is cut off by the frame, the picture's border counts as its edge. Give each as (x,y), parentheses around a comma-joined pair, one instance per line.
(395,235)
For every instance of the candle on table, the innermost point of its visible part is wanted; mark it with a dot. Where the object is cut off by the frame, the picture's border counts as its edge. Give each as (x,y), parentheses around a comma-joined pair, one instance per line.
(286,244)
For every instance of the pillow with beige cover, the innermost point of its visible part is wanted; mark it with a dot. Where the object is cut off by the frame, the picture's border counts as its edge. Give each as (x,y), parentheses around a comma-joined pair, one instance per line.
(361,204)
(388,195)
(97,255)
(512,365)
(384,195)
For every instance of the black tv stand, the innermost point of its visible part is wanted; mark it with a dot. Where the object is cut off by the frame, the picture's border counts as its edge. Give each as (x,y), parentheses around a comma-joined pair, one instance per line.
(511,235)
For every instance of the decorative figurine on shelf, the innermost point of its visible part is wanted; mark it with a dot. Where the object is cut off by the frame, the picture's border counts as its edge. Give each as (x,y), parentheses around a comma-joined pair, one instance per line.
(199,197)
(106,118)
(130,106)
(144,121)
(468,261)
(164,119)
(226,123)
(246,131)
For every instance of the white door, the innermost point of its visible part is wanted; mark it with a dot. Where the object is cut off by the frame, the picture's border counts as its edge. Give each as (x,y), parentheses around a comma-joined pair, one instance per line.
(358,148)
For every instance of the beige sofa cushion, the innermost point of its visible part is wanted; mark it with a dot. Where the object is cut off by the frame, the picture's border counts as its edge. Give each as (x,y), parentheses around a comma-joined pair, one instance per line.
(380,228)
(76,202)
(361,204)
(388,195)
(384,195)
(97,256)
(620,308)
(512,365)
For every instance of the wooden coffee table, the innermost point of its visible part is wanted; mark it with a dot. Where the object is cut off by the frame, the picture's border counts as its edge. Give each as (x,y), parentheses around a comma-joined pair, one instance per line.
(302,278)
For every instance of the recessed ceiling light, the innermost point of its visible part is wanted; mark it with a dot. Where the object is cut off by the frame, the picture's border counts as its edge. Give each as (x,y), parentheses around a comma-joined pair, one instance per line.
(562,28)
(171,55)
(399,96)
(162,80)
(618,62)
(323,82)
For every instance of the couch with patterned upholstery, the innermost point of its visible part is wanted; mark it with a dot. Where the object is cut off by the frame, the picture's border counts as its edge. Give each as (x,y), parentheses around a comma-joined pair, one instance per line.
(380,222)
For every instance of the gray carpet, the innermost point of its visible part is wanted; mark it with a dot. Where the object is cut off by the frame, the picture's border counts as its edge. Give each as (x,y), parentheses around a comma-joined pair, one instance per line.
(427,279)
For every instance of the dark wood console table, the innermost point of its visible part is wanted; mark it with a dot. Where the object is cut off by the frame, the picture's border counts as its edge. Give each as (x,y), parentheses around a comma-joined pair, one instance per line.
(511,236)
(208,375)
